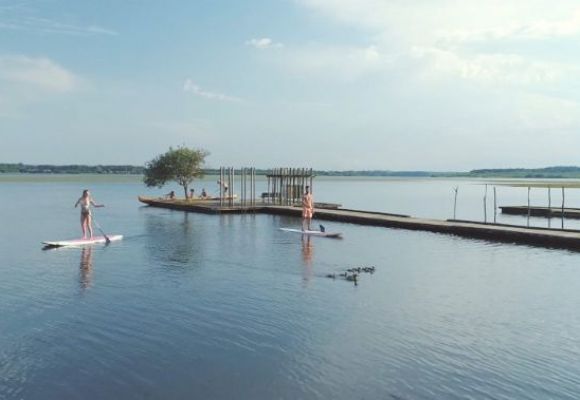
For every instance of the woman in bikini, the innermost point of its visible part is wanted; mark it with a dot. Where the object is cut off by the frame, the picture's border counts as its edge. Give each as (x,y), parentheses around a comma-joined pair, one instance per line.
(85,201)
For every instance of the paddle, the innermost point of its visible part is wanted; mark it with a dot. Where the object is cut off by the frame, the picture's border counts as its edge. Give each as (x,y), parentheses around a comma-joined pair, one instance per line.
(101,229)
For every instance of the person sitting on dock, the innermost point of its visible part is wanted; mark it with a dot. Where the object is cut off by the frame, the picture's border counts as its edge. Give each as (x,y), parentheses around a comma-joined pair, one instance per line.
(307,209)
(170,195)
(203,193)
(191,193)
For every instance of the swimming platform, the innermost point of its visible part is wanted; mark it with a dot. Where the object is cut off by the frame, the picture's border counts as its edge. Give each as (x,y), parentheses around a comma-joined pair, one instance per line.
(536,236)
(548,212)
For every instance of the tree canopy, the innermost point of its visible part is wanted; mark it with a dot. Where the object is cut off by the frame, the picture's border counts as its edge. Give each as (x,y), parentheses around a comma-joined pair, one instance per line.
(181,165)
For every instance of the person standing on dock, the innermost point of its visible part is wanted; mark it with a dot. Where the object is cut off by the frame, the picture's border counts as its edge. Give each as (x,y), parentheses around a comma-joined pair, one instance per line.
(307,209)
(224,185)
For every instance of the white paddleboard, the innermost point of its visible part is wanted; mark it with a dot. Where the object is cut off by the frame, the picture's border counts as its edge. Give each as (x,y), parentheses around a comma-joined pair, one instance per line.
(82,242)
(313,233)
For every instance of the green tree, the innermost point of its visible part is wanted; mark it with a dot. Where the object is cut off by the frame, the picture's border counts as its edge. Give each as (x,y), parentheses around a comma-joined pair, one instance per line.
(181,165)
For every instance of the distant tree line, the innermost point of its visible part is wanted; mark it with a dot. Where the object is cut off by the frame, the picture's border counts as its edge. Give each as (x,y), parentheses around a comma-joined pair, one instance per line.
(548,172)
(70,169)
(138,170)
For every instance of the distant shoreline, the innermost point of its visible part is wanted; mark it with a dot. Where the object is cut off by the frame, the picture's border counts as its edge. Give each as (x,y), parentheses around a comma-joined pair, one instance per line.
(566,172)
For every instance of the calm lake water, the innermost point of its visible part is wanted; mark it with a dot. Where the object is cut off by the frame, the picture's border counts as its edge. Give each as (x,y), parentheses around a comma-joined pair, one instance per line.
(229,307)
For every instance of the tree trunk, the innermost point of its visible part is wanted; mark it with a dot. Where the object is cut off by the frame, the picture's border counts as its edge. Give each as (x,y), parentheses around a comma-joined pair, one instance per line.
(185,190)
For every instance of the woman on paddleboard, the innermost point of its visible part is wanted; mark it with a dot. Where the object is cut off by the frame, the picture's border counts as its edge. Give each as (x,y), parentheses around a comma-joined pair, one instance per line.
(85,201)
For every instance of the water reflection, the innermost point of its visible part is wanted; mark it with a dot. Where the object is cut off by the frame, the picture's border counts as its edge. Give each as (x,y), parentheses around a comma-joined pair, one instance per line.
(86,267)
(307,258)
(174,239)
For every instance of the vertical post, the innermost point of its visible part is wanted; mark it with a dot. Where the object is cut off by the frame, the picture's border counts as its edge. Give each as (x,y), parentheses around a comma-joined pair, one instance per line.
(281,189)
(227,179)
(268,198)
(303,181)
(296,183)
(254,187)
(296,179)
(494,205)
(233,187)
(549,200)
(529,208)
(222,186)
(242,186)
(285,187)
(485,205)
(290,187)
(277,184)
(230,189)
(292,177)
(273,185)
(455,202)
(280,185)
(311,178)
(563,197)
(549,207)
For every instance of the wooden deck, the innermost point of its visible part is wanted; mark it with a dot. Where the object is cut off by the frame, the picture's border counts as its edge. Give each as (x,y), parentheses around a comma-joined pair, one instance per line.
(556,238)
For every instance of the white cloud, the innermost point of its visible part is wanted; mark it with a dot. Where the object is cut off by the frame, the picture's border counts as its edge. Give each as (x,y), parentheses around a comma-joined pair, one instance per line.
(41,73)
(195,126)
(191,87)
(532,30)
(99,30)
(370,14)
(437,32)
(22,17)
(492,68)
(548,114)
(264,43)
(421,19)
(343,62)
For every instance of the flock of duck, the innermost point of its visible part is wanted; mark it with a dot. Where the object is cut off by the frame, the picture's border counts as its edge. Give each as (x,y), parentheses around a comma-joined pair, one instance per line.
(352,274)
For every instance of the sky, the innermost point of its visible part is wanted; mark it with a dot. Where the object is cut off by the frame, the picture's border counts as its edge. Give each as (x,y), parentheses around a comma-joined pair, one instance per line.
(444,85)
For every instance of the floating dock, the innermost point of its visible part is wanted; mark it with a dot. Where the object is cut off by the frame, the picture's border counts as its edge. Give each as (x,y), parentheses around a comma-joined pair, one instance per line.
(548,212)
(556,238)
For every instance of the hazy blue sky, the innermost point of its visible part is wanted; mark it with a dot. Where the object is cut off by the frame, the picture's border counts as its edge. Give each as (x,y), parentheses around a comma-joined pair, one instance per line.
(334,84)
